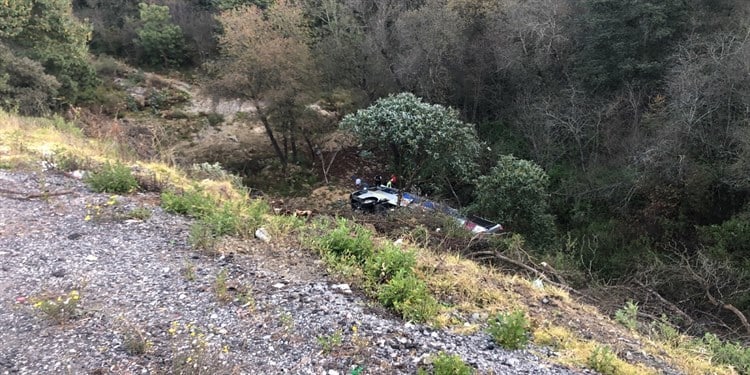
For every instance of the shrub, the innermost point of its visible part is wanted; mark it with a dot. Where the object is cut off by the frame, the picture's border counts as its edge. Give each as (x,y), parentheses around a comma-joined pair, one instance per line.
(602,360)
(409,296)
(112,178)
(383,265)
(515,194)
(216,218)
(161,40)
(628,315)
(347,240)
(510,331)
(214,118)
(448,364)
(193,203)
(728,353)
(24,85)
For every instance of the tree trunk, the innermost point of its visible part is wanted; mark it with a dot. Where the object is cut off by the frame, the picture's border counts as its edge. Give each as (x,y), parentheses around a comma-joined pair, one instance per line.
(269,131)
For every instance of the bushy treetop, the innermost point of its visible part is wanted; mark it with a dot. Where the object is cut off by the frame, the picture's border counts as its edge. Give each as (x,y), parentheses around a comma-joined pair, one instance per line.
(426,143)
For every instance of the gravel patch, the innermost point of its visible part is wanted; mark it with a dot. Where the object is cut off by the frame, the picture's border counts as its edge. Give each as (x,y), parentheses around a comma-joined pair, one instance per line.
(141,283)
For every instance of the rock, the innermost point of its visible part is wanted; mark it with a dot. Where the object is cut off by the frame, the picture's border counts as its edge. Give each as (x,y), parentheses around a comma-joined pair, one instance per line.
(91,258)
(58,272)
(263,235)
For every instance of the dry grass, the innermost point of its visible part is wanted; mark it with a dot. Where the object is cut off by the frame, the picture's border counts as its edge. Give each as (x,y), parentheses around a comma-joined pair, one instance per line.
(561,323)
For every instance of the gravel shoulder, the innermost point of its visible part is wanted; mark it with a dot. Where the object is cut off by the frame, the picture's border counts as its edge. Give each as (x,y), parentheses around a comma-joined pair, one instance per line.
(140,280)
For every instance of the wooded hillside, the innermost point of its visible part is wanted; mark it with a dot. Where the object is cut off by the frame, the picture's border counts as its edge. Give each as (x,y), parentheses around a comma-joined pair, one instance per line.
(630,118)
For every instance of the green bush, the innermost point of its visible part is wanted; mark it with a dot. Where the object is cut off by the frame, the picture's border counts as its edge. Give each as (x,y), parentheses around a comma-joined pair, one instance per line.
(510,331)
(409,296)
(602,360)
(628,315)
(729,353)
(347,240)
(112,178)
(25,87)
(448,364)
(216,218)
(214,118)
(383,265)
(193,203)
(515,194)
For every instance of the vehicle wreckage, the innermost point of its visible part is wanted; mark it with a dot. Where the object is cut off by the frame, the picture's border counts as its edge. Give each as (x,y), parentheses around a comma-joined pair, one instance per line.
(383,198)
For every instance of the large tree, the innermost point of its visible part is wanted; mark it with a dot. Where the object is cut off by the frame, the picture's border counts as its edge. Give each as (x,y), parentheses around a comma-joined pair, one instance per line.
(266,58)
(427,144)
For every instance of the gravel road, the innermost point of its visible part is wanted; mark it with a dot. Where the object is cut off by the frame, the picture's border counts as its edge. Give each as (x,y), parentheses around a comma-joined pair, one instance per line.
(149,304)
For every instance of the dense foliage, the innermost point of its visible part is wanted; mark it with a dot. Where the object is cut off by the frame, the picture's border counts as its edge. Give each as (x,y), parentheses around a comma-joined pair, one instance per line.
(42,41)
(515,193)
(427,144)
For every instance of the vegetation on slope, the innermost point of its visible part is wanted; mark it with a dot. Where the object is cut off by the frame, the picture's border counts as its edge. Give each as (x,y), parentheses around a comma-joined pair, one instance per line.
(635,113)
(432,286)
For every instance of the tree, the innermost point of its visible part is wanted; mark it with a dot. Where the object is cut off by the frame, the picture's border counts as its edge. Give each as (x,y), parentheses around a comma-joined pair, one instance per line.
(47,32)
(627,40)
(160,39)
(428,146)
(266,58)
(515,194)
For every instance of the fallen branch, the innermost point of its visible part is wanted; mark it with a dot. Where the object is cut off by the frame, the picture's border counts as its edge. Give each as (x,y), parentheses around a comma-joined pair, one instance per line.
(674,307)
(26,196)
(542,276)
(730,307)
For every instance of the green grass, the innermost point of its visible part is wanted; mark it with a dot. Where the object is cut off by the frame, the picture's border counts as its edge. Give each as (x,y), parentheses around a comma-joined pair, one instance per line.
(112,178)
(447,364)
(216,217)
(510,331)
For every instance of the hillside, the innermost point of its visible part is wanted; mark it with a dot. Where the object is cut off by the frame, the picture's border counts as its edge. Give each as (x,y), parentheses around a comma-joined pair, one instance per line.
(103,283)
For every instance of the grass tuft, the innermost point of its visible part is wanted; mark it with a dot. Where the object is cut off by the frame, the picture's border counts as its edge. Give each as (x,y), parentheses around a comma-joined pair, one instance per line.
(112,178)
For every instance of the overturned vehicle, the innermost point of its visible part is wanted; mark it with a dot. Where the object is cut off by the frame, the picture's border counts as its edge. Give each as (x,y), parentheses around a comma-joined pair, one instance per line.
(382,198)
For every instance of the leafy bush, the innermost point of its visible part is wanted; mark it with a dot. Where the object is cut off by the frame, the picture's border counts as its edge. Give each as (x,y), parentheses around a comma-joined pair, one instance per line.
(347,240)
(628,315)
(24,85)
(112,178)
(729,353)
(602,360)
(510,331)
(423,140)
(409,296)
(448,364)
(515,194)
(383,265)
(214,118)
(666,332)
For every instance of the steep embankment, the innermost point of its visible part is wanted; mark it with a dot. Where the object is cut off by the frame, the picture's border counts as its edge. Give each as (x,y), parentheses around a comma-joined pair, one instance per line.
(94,282)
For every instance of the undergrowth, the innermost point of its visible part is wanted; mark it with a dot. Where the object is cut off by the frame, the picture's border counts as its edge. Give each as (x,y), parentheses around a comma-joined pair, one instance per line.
(112,178)
(216,216)
(447,364)
(510,331)
(387,271)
